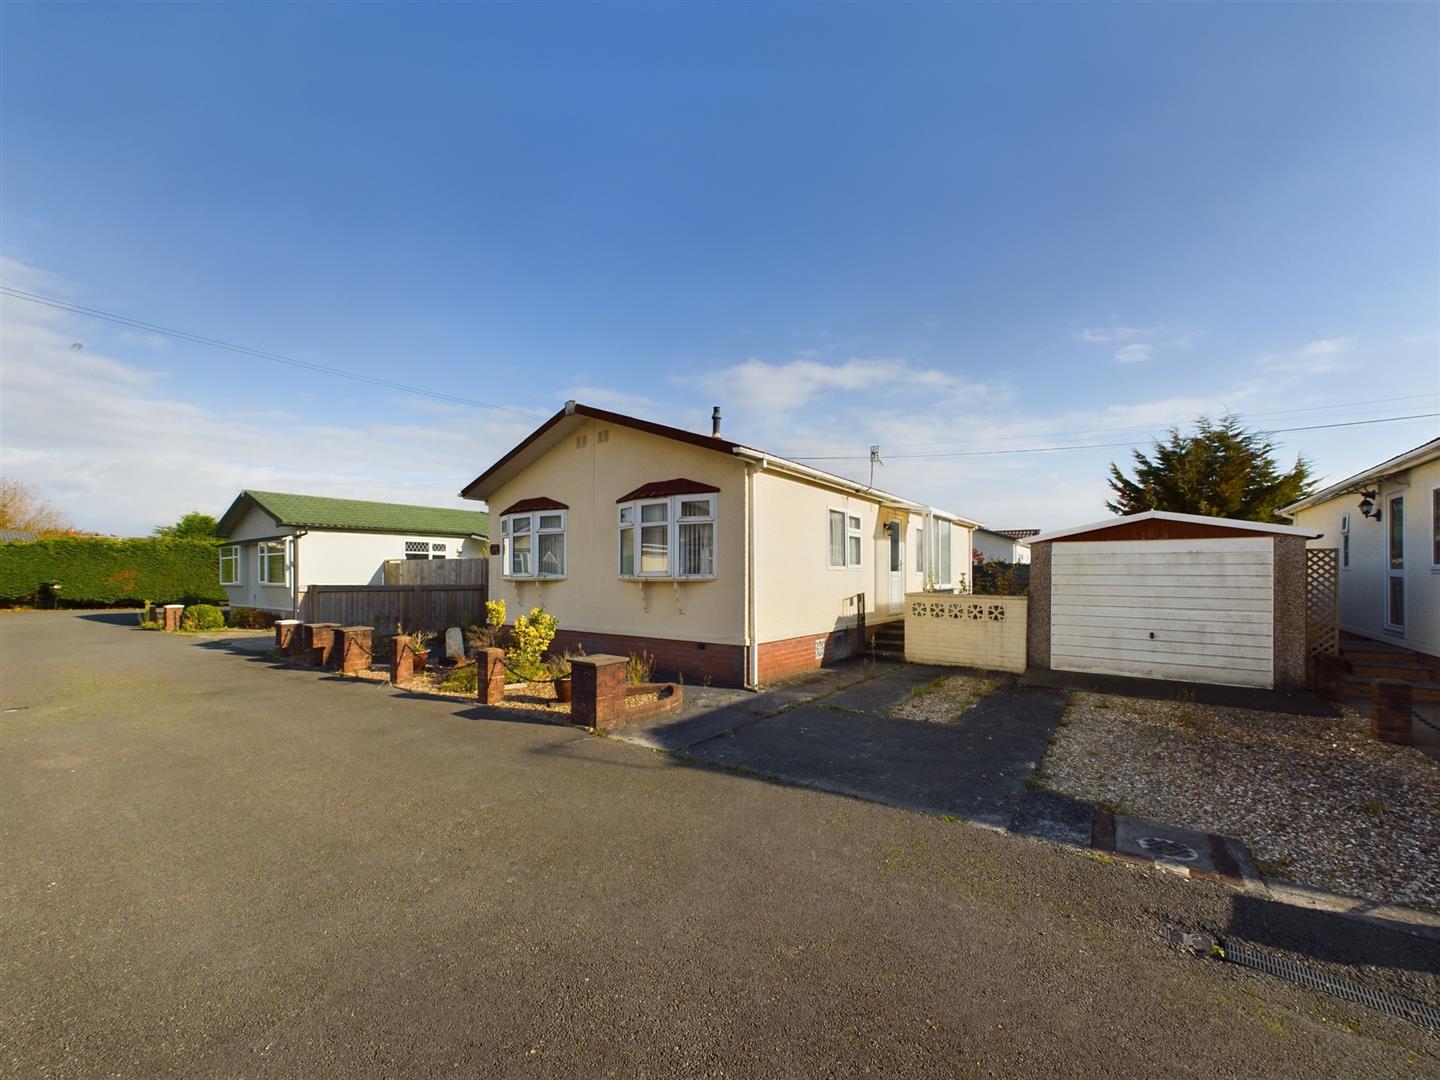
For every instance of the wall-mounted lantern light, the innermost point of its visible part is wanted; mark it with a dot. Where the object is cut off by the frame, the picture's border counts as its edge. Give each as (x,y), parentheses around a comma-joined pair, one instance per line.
(1367,505)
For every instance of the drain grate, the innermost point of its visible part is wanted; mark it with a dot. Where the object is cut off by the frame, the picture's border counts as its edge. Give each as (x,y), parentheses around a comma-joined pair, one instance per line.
(1237,952)
(1162,847)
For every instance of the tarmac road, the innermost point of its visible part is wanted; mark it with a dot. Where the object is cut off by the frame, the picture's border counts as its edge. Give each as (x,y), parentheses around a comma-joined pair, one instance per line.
(217,867)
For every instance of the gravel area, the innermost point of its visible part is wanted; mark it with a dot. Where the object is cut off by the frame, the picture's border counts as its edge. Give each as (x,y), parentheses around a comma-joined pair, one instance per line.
(1317,800)
(942,701)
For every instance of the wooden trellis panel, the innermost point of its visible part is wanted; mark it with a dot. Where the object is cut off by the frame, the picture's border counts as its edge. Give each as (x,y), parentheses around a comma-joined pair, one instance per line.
(1322,601)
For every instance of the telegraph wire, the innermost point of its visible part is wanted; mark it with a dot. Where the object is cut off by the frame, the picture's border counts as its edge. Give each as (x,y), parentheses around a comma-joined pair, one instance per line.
(216,343)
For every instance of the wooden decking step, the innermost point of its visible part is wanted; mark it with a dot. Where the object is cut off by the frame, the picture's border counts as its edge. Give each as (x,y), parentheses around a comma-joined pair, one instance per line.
(1377,670)
(1420,689)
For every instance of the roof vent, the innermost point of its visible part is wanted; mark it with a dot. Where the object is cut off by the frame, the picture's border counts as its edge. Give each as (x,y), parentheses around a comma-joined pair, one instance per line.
(715,422)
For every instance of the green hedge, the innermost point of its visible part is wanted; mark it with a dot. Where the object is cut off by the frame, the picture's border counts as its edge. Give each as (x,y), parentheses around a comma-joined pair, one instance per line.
(94,570)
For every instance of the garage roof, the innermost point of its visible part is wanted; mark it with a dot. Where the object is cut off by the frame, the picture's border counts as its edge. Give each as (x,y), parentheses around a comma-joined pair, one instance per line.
(1184,519)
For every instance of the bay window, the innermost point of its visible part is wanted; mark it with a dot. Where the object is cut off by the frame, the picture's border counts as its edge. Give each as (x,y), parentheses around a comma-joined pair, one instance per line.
(672,537)
(230,565)
(272,568)
(846,540)
(532,545)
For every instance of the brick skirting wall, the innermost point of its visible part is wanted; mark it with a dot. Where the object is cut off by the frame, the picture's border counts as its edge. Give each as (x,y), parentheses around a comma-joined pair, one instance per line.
(723,665)
(794,656)
(694,661)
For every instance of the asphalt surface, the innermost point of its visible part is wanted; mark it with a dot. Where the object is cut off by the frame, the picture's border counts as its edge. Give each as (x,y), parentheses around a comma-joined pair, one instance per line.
(218,867)
(842,738)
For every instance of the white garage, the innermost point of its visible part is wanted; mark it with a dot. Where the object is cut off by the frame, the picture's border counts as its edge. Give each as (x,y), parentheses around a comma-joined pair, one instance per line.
(1172,596)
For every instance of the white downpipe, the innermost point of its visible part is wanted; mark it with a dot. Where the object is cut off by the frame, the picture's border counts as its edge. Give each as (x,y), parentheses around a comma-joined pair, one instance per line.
(752,646)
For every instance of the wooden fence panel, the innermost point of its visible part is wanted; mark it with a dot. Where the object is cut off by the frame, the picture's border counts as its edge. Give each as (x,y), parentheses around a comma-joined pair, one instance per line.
(472,572)
(388,608)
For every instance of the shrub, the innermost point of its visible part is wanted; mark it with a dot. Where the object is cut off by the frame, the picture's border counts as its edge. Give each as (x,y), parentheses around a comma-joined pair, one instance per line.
(462,680)
(97,570)
(202,617)
(249,618)
(639,668)
(530,636)
(997,578)
(483,637)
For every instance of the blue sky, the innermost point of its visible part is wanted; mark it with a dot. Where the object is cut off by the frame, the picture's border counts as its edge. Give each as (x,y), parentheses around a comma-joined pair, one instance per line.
(942,229)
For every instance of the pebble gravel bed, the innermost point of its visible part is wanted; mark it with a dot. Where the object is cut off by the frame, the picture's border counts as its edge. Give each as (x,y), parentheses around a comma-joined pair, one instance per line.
(942,701)
(1317,800)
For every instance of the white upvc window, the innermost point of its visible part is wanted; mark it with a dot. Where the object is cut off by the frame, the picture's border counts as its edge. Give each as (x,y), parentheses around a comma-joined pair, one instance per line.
(532,545)
(846,541)
(417,549)
(668,538)
(944,566)
(273,566)
(230,564)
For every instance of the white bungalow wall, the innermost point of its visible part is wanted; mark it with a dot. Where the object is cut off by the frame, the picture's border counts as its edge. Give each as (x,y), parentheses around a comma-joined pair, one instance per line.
(1363,581)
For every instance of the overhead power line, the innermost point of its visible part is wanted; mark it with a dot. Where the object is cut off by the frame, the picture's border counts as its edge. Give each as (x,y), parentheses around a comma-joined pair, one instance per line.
(1142,428)
(1110,446)
(216,343)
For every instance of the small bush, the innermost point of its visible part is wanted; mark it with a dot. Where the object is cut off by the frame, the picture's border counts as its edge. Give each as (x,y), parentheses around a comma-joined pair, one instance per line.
(639,668)
(249,618)
(530,636)
(462,680)
(202,617)
(151,624)
(484,637)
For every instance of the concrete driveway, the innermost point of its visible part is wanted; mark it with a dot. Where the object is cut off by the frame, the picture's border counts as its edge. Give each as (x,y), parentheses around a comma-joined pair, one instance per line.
(218,867)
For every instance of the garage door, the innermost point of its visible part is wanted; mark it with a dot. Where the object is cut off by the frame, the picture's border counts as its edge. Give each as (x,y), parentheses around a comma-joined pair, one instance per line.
(1189,610)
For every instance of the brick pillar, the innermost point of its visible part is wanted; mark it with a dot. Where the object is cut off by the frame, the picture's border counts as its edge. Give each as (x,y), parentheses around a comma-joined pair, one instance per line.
(1330,677)
(309,643)
(355,647)
(285,631)
(173,613)
(598,691)
(402,663)
(1390,703)
(322,645)
(491,672)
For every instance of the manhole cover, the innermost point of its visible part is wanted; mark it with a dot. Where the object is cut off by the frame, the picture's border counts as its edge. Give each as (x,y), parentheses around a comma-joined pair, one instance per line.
(1162,848)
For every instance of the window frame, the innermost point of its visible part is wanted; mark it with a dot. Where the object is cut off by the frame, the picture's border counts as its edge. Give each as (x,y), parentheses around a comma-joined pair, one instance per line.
(230,553)
(849,532)
(672,523)
(1345,540)
(1435,528)
(534,530)
(264,557)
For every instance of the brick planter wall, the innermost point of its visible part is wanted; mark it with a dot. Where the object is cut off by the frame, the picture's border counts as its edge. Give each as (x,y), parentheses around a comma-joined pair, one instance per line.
(695,661)
(285,631)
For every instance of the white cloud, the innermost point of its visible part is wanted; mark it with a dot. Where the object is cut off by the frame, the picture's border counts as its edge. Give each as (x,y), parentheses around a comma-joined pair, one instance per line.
(767,388)
(1315,358)
(101,441)
(1328,346)
(1107,335)
(1133,354)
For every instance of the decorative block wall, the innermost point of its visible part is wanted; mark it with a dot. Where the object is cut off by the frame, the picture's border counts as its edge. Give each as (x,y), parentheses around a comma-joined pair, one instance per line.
(966,631)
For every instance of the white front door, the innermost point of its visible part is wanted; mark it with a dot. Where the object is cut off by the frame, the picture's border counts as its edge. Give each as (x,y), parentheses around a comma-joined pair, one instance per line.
(895,601)
(1395,565)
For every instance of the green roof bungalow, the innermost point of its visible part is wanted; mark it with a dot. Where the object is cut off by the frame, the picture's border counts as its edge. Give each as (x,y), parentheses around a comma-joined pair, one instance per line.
(280,545)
